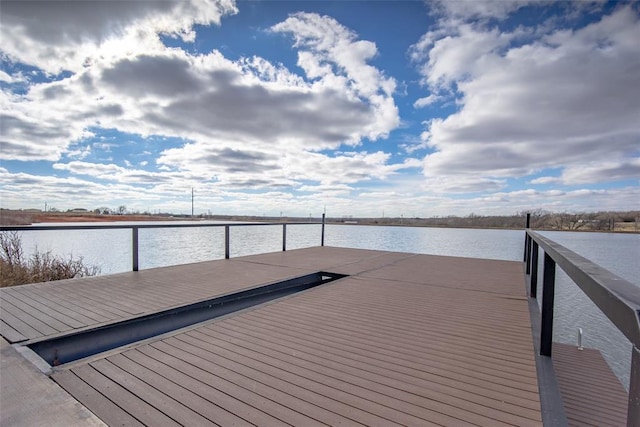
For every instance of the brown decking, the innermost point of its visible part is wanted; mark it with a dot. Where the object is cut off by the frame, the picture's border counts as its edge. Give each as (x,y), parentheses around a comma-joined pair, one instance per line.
(38,310)
(406,339)
(591,393)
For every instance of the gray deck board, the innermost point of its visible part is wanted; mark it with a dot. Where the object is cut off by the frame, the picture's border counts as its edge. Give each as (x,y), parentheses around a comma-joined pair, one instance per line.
(77,312)
(9,333)
(51,317)
(111,390)
(104,408)
(23,326)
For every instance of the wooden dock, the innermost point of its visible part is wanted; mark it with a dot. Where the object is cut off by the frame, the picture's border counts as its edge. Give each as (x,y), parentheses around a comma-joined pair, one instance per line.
(405,339)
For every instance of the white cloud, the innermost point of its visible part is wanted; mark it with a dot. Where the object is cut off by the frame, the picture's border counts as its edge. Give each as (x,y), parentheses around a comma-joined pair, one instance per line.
(426,101)
(546,180)
(57,36)
(4,77)
(561,100)
(331,45)
(237,116)
(596,172)
(248,123)
(477,9)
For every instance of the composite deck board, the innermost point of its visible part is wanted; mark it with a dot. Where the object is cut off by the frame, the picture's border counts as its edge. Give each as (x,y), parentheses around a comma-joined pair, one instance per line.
(89,293)
(194,356)
(343,358)
(359,382)
(134,405)
(393,388)
(371,353)
(172,408)
(74,300)
(451,332)
(125,295)
(210,397)
(253,395)
(449,348)
(591,394)
(10,323)
(79,313)
(391,362)
(9,333)
(339,398)
(17,316)
(406,340)
(104,408)
(52,317)
(370,341)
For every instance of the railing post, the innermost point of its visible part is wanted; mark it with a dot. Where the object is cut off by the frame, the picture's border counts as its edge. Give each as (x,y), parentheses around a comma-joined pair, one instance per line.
(633,408)
(529,242)
(226,242)
(322,235)
(284,237)
(134,247)
(548,292)
(533,282)
(526,239)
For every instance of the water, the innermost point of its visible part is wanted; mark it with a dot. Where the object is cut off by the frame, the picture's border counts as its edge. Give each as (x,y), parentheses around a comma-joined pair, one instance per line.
(619,253)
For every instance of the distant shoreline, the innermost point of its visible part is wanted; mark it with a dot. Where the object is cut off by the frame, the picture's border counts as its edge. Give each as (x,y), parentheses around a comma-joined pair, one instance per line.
(516,222)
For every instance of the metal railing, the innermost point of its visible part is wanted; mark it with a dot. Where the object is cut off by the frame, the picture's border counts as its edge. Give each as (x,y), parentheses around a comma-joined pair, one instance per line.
(135,227)
(618,299)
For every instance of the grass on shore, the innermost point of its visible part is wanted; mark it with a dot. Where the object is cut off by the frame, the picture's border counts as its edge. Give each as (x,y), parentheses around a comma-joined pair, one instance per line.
(16,269)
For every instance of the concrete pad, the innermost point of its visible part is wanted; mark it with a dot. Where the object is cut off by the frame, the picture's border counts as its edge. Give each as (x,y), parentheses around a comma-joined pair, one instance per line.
(29,398)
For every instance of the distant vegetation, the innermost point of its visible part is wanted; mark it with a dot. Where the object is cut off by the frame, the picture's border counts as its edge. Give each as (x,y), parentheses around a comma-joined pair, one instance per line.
(16,269)
(628,221)
(544,220)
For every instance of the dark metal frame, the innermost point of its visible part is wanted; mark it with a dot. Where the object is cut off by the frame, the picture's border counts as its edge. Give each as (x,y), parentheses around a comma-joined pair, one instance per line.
(88,342)
(135,227)
(617,298)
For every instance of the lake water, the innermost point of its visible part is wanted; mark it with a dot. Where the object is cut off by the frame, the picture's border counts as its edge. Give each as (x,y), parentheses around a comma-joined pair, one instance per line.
(619,253)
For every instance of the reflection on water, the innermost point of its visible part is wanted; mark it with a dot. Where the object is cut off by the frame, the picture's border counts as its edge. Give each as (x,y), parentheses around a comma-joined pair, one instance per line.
(619,253)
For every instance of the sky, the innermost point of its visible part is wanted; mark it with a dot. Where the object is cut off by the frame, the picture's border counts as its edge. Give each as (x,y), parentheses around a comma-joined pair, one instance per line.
(360,108)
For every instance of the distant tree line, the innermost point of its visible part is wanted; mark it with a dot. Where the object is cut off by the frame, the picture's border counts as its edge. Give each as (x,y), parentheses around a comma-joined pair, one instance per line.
(628,221)
(540,219)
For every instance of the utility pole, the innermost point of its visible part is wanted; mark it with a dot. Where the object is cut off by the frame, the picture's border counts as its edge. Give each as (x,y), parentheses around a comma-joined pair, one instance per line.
(191,202)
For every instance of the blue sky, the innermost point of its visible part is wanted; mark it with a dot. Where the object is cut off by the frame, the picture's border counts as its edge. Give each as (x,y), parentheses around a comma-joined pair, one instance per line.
(403,107)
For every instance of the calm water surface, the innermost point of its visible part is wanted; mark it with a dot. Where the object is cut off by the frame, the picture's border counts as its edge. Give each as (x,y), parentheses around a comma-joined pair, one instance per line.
(619,253)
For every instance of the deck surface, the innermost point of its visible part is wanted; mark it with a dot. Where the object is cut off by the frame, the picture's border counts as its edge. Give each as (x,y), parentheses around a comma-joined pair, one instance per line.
(592,395)
(405,339)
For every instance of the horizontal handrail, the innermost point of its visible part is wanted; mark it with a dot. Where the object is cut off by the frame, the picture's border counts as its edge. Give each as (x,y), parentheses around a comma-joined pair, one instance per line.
(134,227)
(616,297)
(143,225)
